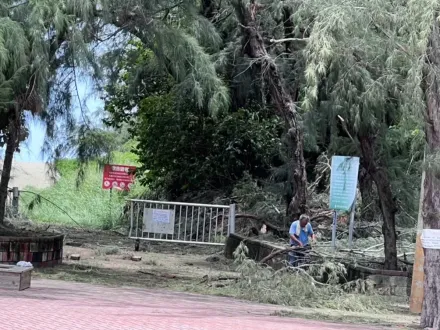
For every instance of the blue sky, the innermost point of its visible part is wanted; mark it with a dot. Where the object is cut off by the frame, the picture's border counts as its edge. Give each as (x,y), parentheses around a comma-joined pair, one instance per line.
(30,150)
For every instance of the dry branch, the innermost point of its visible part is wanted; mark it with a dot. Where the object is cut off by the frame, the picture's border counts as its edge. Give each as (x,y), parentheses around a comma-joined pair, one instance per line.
(277,41)
(277,253)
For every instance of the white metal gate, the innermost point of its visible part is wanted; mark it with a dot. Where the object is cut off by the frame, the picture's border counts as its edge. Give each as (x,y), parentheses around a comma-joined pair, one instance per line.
(181,222)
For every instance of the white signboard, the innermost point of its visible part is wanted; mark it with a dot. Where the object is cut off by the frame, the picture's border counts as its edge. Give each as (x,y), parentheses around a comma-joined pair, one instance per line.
(161,216)
(343,182)
(431,239)
(158,221)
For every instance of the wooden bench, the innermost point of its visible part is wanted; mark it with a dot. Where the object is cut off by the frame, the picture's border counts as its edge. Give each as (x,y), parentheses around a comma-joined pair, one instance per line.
(14,277)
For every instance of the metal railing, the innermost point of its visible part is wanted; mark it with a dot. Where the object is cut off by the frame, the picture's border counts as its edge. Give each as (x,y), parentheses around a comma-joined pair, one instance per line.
(181,222)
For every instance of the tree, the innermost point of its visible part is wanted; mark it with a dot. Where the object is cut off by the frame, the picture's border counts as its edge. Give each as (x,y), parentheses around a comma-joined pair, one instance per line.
(213,152)
(254,47)
(31,34)
(242,67)
(355,78)
(431,197)
(14,64)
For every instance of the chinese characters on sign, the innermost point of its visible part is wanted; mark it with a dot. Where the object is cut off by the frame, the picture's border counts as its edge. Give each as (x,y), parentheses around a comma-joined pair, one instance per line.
(119,177)
(343,182)
(162,216)
(431,239)
(159,221)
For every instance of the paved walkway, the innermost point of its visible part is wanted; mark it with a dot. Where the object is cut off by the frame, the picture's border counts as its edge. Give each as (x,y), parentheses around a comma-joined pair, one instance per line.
(56,305)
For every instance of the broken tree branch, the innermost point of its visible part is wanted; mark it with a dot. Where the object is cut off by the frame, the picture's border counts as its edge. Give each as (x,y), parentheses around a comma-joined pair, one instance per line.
(278,252)
(277,41)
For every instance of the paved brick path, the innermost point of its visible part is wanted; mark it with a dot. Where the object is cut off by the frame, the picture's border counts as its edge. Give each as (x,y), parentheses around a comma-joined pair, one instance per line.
(56,305)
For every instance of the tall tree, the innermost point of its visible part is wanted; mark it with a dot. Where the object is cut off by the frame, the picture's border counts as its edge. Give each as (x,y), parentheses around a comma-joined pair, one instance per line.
(431,197)
(423,95)
(14,66)
(255,48)
(349,78)
(32,35)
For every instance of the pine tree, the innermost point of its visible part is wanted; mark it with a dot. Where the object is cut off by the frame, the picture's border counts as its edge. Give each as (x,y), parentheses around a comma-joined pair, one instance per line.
(355,74)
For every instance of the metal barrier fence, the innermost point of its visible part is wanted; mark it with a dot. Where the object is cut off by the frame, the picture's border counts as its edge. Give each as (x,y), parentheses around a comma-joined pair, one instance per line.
(181,222)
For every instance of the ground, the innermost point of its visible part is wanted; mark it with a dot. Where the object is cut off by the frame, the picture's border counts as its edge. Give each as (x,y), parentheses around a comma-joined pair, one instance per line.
(60,305)
(106,260)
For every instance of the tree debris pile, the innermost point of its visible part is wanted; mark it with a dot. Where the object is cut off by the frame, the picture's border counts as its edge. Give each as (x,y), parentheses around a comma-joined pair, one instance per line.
(314,285)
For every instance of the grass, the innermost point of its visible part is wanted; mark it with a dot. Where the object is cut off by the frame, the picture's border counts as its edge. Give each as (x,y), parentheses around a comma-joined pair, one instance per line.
(88,205)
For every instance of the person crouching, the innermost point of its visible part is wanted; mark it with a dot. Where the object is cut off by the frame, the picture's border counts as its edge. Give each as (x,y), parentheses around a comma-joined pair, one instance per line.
(300,232)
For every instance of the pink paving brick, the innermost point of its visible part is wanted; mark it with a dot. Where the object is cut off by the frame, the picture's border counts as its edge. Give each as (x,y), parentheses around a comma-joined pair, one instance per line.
(73,306)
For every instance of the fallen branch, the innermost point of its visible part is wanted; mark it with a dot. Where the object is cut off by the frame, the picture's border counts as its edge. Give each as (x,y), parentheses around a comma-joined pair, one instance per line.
(277,41)
(160,275)
(385,272)
(206,278)
(279,252)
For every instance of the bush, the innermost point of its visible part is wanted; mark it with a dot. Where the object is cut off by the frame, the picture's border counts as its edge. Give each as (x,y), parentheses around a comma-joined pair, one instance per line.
(183,150)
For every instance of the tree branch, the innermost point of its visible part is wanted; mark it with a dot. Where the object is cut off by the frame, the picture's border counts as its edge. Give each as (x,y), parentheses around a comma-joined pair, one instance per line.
(277,41)
(277,253)
(18,5)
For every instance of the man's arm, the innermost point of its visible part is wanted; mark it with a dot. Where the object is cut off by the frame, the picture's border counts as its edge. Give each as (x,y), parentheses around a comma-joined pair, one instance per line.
(292,232)
(294,238)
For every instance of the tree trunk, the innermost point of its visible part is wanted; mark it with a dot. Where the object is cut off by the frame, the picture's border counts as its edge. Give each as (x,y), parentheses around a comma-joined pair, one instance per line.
(289,28)
(368,200)
(11,145)
(386,200)
(254,48)
(208,8)
(430,209)
(431,195)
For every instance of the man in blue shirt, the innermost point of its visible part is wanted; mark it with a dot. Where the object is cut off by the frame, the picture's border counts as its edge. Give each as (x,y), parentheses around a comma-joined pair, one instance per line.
(300,232)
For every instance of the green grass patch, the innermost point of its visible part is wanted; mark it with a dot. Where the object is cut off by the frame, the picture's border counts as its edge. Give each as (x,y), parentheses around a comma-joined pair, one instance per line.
(87,204)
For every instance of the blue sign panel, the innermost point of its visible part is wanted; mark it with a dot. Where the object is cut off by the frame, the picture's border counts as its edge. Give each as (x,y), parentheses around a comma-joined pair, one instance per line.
(343,182)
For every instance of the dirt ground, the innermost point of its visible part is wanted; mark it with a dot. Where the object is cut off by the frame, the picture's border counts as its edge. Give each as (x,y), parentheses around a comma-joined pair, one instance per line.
(106,259)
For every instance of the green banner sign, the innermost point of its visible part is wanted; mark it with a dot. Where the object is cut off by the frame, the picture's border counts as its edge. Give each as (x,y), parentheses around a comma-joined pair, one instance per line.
(343,182)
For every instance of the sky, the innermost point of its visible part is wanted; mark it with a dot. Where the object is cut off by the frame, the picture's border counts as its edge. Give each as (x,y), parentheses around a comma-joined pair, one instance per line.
(31,149)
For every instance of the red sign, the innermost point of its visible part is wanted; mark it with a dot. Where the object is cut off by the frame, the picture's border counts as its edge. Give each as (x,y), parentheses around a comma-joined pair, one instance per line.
(120,177)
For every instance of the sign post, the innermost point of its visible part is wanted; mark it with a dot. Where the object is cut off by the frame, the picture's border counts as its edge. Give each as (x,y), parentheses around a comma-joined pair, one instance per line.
(343,185)
(120,177)
(334,224)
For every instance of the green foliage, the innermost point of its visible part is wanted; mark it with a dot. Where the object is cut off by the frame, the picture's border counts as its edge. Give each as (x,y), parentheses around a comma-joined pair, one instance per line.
(67,167)
(185,150)
(351,60)
(259,197)
(299,288)
(357,68)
